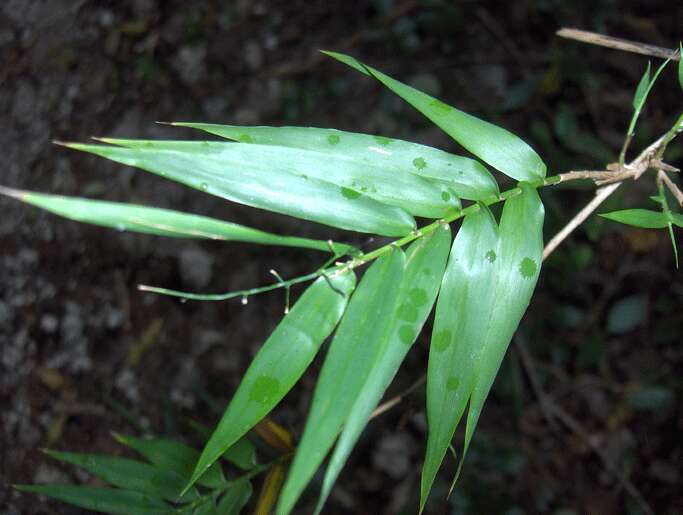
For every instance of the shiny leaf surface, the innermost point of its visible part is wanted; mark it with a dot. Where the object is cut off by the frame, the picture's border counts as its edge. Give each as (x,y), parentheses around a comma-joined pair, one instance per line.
(492,144)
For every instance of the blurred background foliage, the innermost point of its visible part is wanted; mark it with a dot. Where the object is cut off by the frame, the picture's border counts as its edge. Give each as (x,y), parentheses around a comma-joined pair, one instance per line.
(588,403)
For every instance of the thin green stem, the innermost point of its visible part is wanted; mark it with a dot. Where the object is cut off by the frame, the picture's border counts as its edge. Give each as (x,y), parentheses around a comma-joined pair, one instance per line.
(357,261)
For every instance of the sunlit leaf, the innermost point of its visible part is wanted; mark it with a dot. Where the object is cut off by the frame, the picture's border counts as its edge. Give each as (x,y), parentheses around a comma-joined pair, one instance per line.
(294,342)
(463,307)
(362,333)
(235,498)
(104,500)
(389,186)
(478,315)
(173,455)
(425,262)
(161,222)
(258,183)
(492,144)
(641,90)
(128,474)
(639,218)
(467,177)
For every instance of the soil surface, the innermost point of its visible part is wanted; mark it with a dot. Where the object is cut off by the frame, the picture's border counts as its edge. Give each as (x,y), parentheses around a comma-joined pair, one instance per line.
(586,413)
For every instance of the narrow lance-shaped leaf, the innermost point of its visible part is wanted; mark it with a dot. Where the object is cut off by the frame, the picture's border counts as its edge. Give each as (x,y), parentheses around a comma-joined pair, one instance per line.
(639,218)
(160,222)
(468,178)
(128,474)
(404,190)
(169,454)
(492,144)
(279,363)
(425,262)
(641,90)
(462,310)
(362,334)
(487,315)
(103,500)
(520,250)
(256,184)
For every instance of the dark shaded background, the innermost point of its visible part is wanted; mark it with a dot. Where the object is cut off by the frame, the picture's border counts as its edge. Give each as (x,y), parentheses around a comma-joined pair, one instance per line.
(84,353)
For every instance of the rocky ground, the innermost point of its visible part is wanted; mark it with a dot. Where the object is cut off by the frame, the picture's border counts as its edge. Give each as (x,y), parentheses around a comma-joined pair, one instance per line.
(82,352)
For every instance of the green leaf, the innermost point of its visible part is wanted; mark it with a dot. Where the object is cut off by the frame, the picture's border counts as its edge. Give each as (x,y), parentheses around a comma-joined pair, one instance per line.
(676,218)
(172,455)
(465,300)
(641,90)
(294,342)
(161,222)
(208,507)
(242,454)
(357,176)
(257,183)
(235,498)
(362,334)
(492,144)
(425,263)
(639,218)
(104,500)
(128,474)
(477,315)
(467,177)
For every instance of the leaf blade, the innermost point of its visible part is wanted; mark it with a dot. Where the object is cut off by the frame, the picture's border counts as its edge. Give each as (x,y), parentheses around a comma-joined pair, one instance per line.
(310,199)
(357,174)
(295,341)
(160,222)
(494,145)
(643,218)
(361,334)
(425,263)
(469,178)
(105,500)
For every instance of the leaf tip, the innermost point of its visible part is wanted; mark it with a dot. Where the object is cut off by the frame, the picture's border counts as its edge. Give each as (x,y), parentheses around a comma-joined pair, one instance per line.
(11,192)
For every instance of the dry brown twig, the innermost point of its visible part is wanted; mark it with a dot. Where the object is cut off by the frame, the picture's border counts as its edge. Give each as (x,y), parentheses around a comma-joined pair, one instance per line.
(593,38)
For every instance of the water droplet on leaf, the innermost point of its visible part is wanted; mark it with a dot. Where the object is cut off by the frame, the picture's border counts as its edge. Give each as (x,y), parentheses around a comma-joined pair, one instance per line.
(333,139)
(527,268)
(383,140)
(445,196)
(265,390)
(490,256)
(418,296)
(245,300)
(407,312)
(245,138)
(120,227)
(203,186)
(419,163)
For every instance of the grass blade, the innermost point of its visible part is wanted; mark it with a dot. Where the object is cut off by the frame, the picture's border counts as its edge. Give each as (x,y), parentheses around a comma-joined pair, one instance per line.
(464,301)
(169,454)
(425,263)
(256,184)
(467,177)
(362,334)
(639,218)
(128,474)
(104,500)
(356,175)
(492,144)
(161,222)
(295,341)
